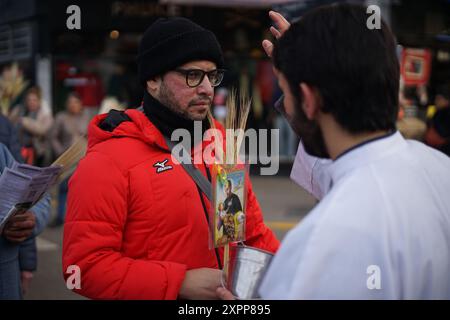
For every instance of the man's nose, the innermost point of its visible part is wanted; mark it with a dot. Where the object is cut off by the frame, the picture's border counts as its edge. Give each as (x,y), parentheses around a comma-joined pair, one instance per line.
(205,87)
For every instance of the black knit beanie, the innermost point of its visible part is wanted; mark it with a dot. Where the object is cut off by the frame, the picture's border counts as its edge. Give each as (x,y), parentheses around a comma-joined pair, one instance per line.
(171,42)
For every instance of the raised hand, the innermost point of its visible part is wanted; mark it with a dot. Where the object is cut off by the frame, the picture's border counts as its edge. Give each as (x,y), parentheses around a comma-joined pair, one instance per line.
(281,26)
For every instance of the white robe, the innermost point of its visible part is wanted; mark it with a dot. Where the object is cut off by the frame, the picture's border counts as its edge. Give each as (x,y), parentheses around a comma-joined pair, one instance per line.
(381,231)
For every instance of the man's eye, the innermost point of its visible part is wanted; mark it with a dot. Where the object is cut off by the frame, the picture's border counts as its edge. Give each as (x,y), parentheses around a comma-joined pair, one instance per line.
(194,75)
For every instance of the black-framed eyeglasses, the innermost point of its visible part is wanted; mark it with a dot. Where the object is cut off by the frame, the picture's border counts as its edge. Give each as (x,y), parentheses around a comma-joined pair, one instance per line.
(195,76)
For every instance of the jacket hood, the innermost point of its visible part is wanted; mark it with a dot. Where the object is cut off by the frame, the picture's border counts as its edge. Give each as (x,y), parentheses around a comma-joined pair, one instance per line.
(140,127)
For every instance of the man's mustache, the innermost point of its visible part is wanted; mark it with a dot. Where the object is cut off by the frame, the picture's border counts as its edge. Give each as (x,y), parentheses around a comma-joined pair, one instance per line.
(202,100)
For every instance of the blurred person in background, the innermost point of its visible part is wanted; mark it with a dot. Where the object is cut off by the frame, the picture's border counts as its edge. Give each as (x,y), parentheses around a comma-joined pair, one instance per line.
(409,122)
(33,120)
(27,249)
(438,131)
(8,136)
(17,246)
(69,126)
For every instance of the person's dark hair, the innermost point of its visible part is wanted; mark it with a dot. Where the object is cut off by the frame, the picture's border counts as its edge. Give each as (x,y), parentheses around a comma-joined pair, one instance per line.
(34,90)
(355,69)
(229,183)
(73,94)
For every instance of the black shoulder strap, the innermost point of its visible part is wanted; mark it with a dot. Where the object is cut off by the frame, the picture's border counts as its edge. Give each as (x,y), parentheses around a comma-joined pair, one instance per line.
(195,174)
(113,120)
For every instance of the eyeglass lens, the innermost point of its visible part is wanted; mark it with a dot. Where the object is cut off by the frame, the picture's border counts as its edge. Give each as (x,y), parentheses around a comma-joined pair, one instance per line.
(195,77)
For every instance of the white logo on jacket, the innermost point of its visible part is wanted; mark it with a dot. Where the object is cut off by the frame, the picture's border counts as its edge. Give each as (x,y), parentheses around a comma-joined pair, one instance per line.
(161,166)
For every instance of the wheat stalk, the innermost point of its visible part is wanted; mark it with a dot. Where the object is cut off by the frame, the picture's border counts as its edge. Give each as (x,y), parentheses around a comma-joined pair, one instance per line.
(244,110)
(71,156)
(236,120)
(217,142)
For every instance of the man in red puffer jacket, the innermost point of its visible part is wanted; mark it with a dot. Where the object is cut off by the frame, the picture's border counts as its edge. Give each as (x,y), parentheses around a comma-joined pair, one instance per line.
(136,223)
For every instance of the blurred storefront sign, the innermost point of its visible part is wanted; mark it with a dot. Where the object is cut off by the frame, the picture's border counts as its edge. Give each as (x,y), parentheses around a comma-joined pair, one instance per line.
(16,41)
(415,66)
(11,11)
(147,9)
(443,56)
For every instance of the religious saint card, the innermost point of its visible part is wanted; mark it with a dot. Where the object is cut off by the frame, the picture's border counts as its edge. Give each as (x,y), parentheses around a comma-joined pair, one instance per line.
(229,202)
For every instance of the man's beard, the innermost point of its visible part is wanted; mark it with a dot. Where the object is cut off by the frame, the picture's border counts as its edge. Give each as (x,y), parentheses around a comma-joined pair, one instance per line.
(308,131)
(166,97)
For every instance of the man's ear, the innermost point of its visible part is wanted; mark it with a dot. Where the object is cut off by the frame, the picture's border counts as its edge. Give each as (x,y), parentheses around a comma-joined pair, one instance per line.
(153,85)
(311,100)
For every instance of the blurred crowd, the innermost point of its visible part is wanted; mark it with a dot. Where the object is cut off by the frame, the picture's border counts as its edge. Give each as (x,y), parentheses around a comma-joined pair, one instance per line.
(425,119)
(36,136)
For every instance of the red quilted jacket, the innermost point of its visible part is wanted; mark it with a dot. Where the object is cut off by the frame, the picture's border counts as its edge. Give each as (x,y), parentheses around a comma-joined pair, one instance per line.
(134,232)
